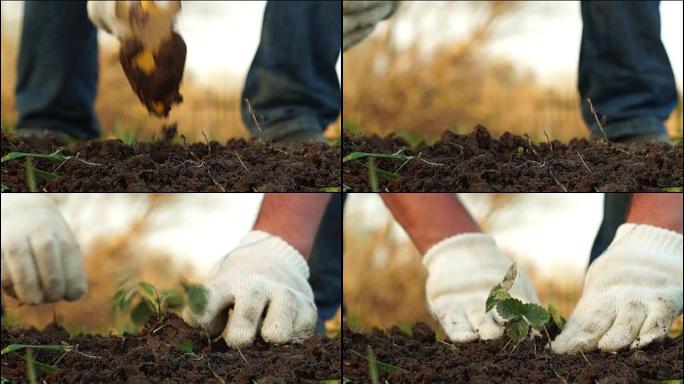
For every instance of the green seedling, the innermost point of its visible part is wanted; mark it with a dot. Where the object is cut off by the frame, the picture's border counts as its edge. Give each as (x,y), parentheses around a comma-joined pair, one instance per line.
(520,151)
(520,317)
(32,172)
(145,301)
(185,346)
(374,172)
(32,364)
(374,365)
(672,189)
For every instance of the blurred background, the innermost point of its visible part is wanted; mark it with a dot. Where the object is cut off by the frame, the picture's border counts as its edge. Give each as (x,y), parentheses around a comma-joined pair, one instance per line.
(549,236)
(157,238)
(222,37)
(508,65)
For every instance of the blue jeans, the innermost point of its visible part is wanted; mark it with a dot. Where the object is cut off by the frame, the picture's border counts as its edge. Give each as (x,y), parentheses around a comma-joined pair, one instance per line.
(624,69)
(292,84)
(615,210)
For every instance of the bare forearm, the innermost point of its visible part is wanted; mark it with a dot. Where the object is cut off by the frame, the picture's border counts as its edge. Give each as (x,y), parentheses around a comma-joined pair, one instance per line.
(429,217)
(295,217)
(659,209)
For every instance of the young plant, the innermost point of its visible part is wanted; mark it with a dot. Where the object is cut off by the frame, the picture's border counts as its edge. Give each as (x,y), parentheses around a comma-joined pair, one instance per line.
(145,301)
(520,317)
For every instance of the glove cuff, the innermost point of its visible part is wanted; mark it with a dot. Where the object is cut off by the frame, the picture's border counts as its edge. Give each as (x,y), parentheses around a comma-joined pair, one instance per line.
(279,247)
(479,244)
(649,239)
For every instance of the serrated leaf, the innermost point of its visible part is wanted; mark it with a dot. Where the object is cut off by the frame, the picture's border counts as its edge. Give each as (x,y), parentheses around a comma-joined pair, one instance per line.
(509,277)
(185,346)
(556,316)
(198,297)
(517,329)
(496,295)
(511,308)
(141,312)
(536,315)
(171,298)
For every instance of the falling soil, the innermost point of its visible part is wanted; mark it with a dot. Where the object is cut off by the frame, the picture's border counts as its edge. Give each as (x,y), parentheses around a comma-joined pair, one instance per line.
(164,166)
(479,163)
(154,356)
(428,360)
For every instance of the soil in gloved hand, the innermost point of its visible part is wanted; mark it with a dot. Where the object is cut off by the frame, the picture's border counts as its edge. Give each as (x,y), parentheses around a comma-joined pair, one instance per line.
(155,77)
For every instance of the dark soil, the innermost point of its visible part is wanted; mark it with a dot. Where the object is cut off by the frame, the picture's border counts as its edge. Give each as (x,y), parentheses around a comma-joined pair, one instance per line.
(164,166)
(155,357)
(480,163)
(499,361)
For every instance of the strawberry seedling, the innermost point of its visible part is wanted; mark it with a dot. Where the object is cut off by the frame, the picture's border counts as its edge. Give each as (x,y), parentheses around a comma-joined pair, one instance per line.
(520,317)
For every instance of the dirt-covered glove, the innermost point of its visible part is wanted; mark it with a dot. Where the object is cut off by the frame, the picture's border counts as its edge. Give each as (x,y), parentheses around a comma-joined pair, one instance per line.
(360,17)
(41,260)
(461,271)
(632,293)
(152,54)
(262,274)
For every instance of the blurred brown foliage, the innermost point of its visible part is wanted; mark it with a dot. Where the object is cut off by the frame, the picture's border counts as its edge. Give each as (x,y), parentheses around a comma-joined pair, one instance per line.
(455,86)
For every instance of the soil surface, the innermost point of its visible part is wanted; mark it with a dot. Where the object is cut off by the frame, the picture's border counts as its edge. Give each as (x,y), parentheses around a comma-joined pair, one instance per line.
(478,162)
(498,361)
(163,166)
(154,356)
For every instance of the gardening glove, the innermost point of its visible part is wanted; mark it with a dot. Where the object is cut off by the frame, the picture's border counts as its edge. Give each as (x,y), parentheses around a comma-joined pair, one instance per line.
(152,55)
(360,17)
(41,260)
(632,293)
(263,274)
(462,269)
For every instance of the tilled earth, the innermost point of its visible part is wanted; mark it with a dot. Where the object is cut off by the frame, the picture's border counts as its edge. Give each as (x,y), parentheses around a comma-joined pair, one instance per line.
(428,360)
(162,166)
(155,357)
(478,162)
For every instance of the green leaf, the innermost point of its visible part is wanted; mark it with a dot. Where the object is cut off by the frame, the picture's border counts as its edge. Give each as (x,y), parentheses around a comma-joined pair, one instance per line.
(496,295)
(185,346)
(389,368)
(372,366)
(18,155)
(142,311)
(125,303)
(384,174)
(511,308)
(536,315)
(45,367)
(556,316)
(360,155)
(148,289)
(171,298)
(517,329)
(198,297)
(17,347)
(672,189)
(509,277)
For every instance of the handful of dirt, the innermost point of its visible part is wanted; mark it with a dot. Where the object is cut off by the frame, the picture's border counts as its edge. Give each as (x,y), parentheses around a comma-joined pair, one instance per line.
(155,77)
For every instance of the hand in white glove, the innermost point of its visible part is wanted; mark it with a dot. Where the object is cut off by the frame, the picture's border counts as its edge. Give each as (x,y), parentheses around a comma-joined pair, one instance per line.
(41,260)
(263,272)
(360,17)
(145,20)
(632,293)
(461,271)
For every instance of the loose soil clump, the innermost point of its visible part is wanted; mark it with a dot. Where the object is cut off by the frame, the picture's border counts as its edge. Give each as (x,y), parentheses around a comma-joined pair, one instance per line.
(478,162)
(155,356)
(501,361)
(164,166)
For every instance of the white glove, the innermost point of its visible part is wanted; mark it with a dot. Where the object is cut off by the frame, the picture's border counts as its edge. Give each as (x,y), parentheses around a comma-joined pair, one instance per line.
(145,21)
(461,271)
(360,17)
(41,260)
(262,271)
(632,293)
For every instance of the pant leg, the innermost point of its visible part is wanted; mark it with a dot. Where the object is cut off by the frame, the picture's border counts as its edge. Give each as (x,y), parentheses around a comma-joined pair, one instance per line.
(292,83)
(57,69)
(624,69)
(615,209)
(325,263)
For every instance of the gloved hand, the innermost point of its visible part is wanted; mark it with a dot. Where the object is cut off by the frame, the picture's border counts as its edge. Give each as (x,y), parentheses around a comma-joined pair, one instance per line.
(262,271)
(632,293)
(461,271)
(152,54)
(360,17)
(41,260)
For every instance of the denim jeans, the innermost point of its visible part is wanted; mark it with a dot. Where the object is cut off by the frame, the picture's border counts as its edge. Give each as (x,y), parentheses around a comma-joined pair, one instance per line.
(615,209)
(624,69)
(292,84)
(325,262)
